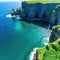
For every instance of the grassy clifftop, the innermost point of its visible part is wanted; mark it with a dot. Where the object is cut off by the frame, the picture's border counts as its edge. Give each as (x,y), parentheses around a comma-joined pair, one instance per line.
(50,52)
(57,27)
(43,1)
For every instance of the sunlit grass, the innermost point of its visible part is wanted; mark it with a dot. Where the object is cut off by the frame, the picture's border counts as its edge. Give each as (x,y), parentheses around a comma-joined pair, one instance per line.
(49,49)
(57,27)
(43,1)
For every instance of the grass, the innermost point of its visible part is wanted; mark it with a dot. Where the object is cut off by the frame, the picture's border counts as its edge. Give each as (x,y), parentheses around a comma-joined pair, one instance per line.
(57,27)
(50,52)
(42,1)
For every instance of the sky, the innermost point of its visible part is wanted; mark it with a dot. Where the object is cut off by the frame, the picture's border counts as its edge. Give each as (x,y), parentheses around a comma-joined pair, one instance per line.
(58,1)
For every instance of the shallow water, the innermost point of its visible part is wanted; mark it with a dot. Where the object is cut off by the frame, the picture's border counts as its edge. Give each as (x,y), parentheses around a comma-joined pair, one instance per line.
(17,38)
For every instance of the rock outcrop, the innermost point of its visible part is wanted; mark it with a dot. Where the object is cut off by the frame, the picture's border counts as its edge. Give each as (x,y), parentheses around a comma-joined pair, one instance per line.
(55,16)
(55,33)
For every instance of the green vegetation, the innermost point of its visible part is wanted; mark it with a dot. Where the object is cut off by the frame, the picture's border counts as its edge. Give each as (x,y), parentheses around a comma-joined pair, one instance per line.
(50,52)
(42,1)
(57,27)
(31,2)
(34,2)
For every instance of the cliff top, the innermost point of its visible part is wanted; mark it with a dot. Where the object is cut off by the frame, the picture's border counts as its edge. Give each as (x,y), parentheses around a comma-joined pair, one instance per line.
(42,1)
(50,52)
(57,27)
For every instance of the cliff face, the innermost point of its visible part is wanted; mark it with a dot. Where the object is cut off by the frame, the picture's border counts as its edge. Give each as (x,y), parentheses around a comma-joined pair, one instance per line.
(37,10)
(55,17)
(55,33)
(47,12)
(52,50)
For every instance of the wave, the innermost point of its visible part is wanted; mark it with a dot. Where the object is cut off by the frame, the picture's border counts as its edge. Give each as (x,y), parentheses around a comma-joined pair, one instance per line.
(32,54)
(46,41)
(14,16)
(9,16)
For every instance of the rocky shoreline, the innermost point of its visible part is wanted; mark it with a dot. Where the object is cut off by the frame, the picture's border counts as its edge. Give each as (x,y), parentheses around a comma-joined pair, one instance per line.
(50,47)
(34,53)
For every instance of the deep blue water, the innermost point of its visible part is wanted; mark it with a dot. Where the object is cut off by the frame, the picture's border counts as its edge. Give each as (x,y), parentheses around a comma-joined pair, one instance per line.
(17,38)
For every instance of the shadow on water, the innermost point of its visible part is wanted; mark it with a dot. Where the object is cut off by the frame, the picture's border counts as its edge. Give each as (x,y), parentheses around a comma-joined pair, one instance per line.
(41,23)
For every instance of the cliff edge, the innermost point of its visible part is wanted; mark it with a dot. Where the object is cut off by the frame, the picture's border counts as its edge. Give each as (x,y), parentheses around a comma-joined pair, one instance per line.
(55,33)
(50,52)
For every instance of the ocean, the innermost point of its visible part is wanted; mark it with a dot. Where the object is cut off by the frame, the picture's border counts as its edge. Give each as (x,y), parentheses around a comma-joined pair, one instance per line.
(18,38)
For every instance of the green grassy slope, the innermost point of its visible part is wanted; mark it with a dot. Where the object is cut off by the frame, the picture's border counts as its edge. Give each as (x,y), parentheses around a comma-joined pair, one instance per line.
(43,1)
(50,52)
(57,27)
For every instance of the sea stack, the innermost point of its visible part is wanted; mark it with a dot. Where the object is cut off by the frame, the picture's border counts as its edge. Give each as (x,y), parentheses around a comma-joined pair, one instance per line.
(12,12)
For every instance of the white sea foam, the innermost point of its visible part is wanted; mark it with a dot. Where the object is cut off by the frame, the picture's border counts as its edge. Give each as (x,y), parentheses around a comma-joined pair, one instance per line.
(14,16)
(17,17)
(46,41)
(9,16)
(32,53)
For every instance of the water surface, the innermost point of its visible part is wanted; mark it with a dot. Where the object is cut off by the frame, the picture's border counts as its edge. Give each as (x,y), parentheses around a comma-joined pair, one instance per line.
(17,38)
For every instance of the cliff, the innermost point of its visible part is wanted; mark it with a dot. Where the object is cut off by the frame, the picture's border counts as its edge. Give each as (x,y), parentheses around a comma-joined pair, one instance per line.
(50,52)
(55,33)
(34,10)
(49,12)
(55,16)
(37,10)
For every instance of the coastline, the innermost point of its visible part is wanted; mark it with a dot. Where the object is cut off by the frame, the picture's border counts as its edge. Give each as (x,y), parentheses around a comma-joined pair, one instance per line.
(46,42)
(31,56)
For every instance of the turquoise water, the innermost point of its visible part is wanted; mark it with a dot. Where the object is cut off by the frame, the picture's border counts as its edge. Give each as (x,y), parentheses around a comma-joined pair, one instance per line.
(17,38)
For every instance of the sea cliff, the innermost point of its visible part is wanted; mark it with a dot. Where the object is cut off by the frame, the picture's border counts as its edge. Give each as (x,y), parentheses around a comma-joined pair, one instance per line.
(55,33)
(52,50)
(32,10)
(37,10)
